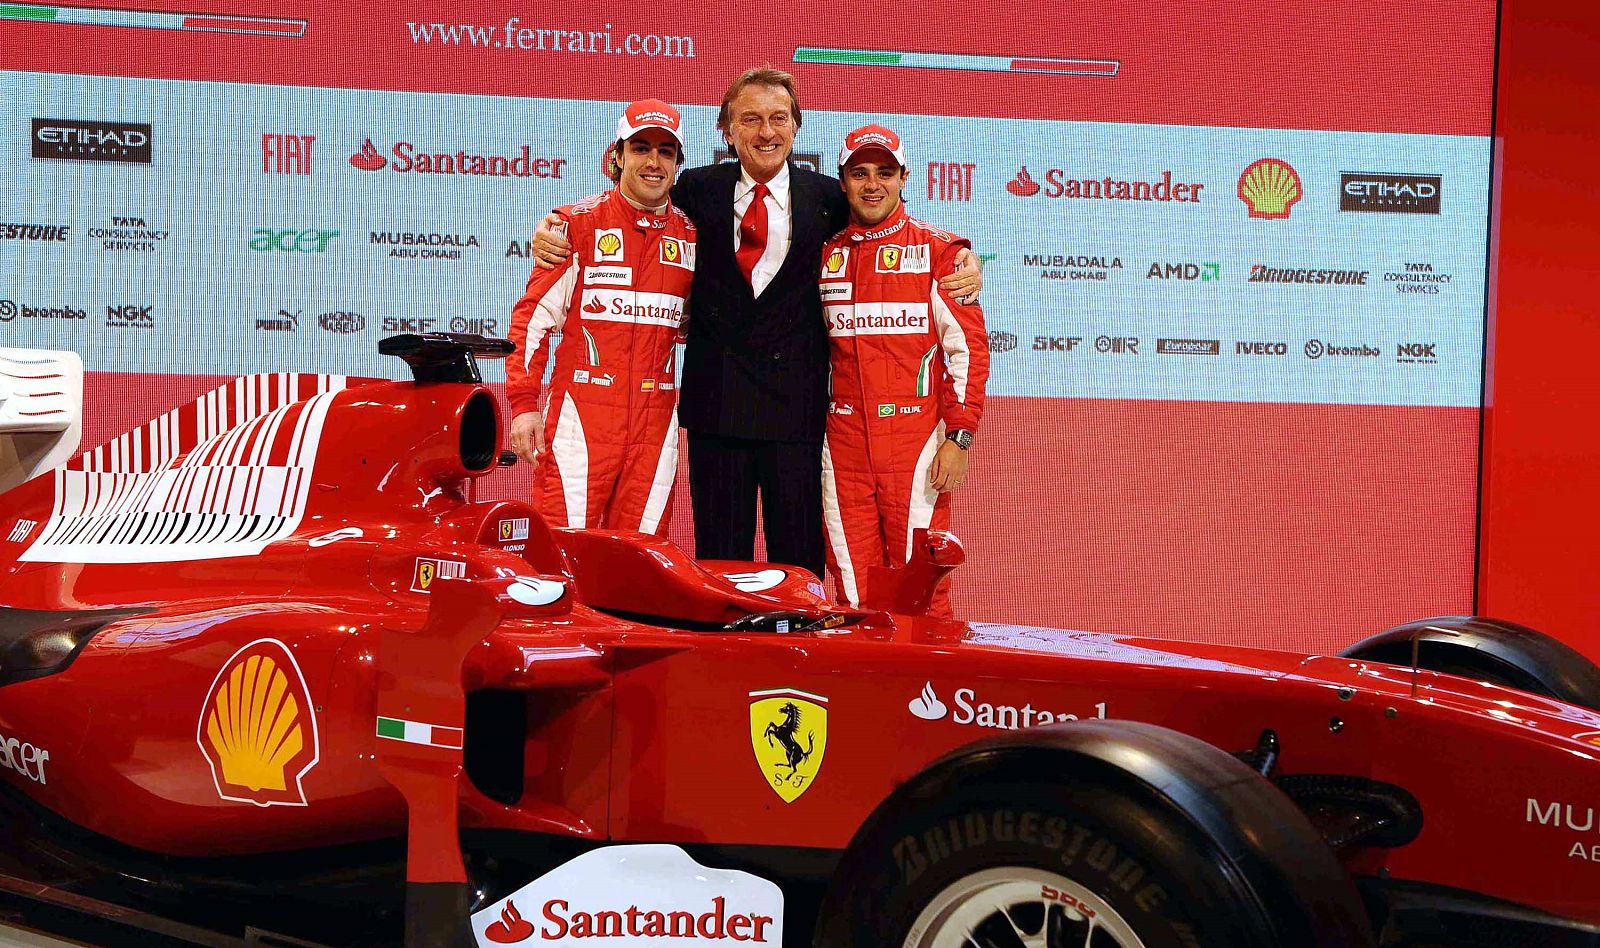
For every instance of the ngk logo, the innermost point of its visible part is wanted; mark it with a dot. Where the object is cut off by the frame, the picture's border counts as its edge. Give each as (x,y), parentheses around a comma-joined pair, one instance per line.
(1417,353)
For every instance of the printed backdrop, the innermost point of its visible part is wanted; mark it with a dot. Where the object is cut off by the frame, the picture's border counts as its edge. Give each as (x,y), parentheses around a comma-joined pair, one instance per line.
(1234,262)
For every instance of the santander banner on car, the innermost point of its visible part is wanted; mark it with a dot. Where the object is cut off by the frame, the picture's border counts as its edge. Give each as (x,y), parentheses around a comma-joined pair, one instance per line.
(651,894)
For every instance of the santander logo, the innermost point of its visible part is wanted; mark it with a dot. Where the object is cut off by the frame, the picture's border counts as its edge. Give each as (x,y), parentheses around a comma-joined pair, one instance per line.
(511,928)
(594,306)
(647,894)
(1023,185)
(927,705)
(368,159)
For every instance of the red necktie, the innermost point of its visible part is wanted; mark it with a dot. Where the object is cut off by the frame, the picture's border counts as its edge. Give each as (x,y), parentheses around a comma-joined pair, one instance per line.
(753,233)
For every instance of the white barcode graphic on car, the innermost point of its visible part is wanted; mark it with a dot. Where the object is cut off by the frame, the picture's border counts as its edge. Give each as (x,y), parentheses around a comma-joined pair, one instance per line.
(223,476)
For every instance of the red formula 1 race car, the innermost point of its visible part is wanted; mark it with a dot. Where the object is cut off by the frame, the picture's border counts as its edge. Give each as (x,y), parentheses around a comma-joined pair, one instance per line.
(269,674)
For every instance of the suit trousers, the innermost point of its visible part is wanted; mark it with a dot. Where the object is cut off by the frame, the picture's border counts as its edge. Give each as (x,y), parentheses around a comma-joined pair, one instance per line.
(726,475)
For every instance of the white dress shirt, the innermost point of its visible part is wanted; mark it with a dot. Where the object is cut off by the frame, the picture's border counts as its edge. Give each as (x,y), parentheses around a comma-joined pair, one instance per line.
(777,223)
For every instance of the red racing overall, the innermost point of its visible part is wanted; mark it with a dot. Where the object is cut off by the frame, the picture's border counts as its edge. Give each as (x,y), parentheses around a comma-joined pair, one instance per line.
(908,364)
(611,426)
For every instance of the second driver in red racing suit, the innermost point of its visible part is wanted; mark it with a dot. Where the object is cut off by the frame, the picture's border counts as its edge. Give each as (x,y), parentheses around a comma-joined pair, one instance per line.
(611,424)
(908,368)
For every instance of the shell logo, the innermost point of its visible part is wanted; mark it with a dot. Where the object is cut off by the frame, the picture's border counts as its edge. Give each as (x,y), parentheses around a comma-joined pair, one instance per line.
(609,244)
(1270,187)
(257,728)
(835,261)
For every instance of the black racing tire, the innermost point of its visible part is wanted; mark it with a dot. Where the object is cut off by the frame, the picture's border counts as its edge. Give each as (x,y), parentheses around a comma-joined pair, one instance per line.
(1491,650)
(1163,840)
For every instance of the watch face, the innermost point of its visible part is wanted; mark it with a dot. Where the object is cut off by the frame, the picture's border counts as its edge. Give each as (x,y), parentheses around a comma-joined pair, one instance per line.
(963,439)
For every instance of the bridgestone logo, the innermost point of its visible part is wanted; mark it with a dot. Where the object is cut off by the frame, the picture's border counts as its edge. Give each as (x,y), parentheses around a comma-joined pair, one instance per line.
(33,231)
(1265,274)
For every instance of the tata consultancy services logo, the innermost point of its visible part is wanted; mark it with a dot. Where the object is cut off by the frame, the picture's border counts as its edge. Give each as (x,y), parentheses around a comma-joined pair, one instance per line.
(1269,188)
(789,734)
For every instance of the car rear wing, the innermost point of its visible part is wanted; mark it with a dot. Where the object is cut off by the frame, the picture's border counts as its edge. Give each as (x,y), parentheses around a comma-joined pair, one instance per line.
(41,412)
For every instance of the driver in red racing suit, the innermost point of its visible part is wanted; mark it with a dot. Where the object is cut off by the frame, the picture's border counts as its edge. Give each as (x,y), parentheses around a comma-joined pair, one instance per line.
(618,301)
(909,365)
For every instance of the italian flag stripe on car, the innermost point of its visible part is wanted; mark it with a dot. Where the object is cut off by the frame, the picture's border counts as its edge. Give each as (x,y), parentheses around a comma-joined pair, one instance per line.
(416,732)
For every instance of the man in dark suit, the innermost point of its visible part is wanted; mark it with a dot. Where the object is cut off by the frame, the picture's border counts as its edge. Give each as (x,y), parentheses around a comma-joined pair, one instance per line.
(754,386)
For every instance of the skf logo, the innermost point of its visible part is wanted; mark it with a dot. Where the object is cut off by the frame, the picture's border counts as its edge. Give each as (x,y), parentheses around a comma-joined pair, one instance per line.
(893,258)
(677,253)
(286,154)
(1058,343)
(1204,272)
(293,240)
(408,324)
(513,529)
(428,570)
(950,181)
(1270,188)
(608,245)
(834,265)
(258,729)
(789,734)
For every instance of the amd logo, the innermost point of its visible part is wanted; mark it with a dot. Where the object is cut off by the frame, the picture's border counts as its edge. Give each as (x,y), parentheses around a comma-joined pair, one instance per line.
(1261,348)
(1204,272)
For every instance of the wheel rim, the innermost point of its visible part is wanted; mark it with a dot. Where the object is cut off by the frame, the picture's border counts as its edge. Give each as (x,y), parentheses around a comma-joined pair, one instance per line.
(1018,907)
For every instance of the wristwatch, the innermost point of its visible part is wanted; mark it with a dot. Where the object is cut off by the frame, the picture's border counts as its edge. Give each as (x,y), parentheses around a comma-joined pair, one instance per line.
(961,437)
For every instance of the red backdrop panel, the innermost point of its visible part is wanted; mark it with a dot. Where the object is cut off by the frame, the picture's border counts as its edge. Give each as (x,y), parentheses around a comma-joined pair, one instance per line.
(1540,537)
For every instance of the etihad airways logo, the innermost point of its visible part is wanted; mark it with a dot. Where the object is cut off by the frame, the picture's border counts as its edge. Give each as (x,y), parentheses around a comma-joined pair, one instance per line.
(973,711)
(878,319)
(627,306)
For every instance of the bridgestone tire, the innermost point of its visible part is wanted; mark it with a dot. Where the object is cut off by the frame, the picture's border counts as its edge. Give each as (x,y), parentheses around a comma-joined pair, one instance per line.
(1158,861)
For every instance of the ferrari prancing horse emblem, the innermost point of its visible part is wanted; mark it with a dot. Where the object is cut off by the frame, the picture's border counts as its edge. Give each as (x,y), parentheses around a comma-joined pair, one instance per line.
(789,733)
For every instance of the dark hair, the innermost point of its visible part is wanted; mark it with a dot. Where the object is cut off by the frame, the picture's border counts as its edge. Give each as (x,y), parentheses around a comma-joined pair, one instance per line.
(767,75)
(611,160)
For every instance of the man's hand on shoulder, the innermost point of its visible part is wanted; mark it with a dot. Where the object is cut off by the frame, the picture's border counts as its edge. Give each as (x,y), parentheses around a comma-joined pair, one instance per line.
(963,285)
(551,248)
